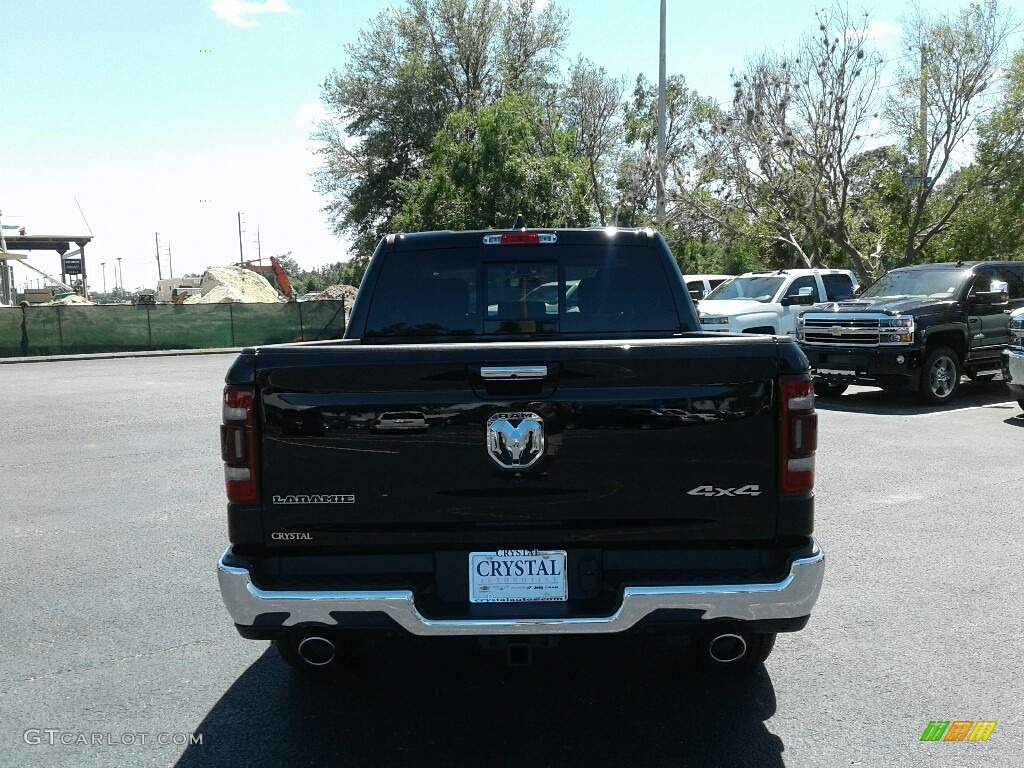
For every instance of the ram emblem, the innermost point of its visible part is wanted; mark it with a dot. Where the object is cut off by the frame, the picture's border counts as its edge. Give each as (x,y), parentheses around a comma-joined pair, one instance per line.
(515,440)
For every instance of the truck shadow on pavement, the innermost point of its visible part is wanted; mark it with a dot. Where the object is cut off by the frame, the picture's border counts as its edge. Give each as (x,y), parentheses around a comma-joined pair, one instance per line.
(972,394)
(427,703)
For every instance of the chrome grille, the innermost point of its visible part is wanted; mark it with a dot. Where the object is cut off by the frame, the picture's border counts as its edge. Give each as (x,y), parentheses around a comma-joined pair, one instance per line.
(847,329)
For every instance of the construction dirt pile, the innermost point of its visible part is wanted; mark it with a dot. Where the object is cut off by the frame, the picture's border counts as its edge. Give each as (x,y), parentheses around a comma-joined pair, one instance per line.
(338,292)
(225,285)
(73,299)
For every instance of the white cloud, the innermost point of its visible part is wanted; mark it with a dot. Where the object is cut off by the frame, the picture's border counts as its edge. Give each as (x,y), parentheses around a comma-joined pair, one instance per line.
(882,30)
(239,13)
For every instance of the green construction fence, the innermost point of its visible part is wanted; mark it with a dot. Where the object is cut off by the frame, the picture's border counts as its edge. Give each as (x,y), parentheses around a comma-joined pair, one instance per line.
(83,329)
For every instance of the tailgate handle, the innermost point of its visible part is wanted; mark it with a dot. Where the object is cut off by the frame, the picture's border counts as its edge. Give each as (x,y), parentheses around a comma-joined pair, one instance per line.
(513,372)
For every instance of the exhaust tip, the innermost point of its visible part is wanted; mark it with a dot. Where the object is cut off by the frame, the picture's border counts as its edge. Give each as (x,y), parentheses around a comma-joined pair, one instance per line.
(316,651)
(727,648)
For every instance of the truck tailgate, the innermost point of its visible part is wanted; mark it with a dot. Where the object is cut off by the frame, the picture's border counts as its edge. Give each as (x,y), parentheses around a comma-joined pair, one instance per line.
(654,441)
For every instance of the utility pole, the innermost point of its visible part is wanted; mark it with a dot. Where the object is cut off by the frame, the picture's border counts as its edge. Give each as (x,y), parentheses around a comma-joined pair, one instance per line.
(660,183)
(923,116)
(259,250)
(103,266)
(119,276)
(241,256)
(159,273)
(170,264)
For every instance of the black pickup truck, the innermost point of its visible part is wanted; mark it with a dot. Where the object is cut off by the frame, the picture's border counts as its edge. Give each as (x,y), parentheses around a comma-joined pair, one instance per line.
(477,458)
(916,329)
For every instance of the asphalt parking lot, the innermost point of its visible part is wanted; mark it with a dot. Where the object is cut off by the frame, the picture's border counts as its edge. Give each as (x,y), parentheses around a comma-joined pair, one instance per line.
(117,650)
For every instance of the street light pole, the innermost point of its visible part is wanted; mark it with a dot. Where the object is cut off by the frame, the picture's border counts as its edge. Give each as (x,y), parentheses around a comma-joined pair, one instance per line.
(660,180)
(103,266)
(120,276)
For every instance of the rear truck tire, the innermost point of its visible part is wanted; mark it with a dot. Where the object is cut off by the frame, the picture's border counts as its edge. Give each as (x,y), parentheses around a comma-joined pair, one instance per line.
(940,376)
(826,389)
(1021,404)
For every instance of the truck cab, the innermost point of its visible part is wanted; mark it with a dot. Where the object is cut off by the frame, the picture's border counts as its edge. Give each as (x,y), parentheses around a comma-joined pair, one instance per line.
(916,329)
(771,302)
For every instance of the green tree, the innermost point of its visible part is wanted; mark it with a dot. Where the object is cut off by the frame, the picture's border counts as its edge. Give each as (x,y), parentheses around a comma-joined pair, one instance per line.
(776,166)
(686,111)
(944,100)
(880,205)
(591,110)
(407,73)
(988,224)
(487,167)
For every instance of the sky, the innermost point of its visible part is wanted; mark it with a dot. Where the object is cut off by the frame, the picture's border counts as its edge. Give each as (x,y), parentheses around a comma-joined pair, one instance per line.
(163,120)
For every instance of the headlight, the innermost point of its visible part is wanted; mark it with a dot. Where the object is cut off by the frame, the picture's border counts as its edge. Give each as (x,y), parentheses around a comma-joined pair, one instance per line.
(1017,324)
(896,330)
(897,322)
(705,320)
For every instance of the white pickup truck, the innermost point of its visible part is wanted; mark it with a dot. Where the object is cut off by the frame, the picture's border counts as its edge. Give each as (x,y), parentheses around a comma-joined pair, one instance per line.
(770,302)
(700,286)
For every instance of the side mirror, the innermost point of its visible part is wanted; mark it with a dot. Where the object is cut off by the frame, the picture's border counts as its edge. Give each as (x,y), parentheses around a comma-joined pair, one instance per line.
(857,291)
(998,293)
(804,298)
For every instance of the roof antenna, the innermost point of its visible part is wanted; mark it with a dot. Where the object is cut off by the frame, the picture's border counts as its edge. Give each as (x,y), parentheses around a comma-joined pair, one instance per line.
(520,222)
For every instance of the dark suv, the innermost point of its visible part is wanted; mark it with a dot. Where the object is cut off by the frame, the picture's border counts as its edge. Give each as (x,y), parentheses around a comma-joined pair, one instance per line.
(916,329)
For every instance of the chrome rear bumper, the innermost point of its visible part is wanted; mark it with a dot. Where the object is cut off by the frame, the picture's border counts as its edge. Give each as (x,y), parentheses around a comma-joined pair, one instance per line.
(792,597)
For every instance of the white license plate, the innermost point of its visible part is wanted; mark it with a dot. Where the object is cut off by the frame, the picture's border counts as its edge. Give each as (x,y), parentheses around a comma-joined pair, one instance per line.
(517,576)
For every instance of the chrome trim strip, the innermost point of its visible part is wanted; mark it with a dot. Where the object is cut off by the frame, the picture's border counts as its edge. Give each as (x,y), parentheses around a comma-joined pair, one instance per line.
(833,371)
(509,372)
(793,597)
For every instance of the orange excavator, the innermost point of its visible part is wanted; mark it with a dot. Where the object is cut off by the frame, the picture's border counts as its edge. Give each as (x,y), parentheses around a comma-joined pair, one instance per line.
(274,269)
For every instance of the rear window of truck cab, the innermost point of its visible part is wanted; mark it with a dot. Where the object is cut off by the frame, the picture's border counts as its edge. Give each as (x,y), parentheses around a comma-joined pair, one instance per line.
(473,292)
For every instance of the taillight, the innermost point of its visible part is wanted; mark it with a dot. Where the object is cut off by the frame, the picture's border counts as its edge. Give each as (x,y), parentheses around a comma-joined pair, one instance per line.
(238,445)
(798,434)
(521,238)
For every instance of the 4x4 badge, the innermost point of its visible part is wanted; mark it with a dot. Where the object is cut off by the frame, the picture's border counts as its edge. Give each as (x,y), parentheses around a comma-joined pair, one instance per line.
(515,440)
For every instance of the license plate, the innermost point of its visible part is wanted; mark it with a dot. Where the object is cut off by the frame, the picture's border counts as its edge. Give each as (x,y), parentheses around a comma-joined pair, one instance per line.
(835,372)
(517,576)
